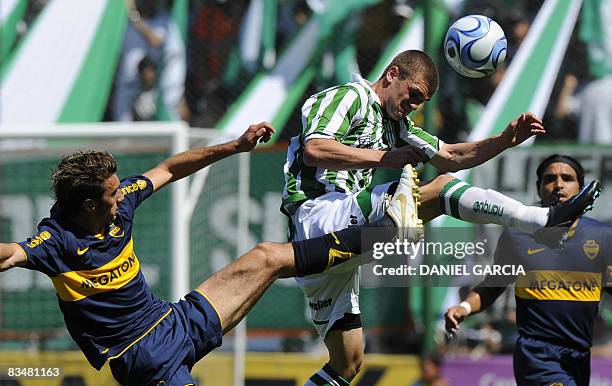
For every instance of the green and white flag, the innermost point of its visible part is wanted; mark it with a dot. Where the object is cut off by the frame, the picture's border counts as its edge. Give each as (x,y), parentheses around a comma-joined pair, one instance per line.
(283,86)
(63,69)
(596,33)
(11,13)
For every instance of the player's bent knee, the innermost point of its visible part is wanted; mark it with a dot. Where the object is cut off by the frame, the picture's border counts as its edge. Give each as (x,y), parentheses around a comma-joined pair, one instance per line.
(432,189)
(442,180)
(270,254)
(353,365)
(349,363)
(358,363)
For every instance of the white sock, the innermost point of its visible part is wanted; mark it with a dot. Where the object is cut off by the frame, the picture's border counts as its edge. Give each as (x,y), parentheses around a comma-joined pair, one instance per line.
(473,204)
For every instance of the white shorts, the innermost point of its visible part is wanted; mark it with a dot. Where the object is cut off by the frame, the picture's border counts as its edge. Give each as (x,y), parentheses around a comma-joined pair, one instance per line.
(333,293)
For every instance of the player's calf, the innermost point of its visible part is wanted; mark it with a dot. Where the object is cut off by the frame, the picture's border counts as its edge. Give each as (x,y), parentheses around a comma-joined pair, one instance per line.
(321,253)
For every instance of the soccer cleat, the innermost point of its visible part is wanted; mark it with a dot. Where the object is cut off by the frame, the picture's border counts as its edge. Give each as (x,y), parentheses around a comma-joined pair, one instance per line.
(403,206)
(568,211)
(561,216)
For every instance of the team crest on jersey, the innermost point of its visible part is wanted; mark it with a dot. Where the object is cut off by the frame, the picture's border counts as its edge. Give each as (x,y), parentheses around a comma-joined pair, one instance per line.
(590,249)
(116,231)
(39,239)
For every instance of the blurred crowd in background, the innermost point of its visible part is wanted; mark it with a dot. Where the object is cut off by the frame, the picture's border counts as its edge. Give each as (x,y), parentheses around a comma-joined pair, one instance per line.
(207,73)
(202,74)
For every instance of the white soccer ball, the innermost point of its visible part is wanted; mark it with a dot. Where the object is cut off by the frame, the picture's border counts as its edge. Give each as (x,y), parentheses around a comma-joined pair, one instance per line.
(475,45)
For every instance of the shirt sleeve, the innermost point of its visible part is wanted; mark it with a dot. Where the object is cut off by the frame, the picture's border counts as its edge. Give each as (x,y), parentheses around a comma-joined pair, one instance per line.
(135,190)
(44,251)
(331,113)
(411,135)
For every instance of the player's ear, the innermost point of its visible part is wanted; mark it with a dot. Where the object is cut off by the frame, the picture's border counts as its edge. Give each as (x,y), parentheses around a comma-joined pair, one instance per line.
(539,190)
(89,205)
(392,72)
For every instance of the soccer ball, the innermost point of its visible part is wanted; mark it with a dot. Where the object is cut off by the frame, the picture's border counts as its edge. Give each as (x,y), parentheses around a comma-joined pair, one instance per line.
(475,45)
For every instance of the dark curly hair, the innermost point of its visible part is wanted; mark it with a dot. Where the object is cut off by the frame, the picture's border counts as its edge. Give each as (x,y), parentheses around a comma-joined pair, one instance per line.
(81,176)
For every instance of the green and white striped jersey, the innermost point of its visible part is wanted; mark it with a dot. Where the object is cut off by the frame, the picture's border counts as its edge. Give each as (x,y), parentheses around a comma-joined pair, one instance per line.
(351,114)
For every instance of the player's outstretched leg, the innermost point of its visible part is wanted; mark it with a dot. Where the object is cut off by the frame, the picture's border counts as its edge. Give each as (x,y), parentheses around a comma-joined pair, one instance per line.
(456,198)
(236,288)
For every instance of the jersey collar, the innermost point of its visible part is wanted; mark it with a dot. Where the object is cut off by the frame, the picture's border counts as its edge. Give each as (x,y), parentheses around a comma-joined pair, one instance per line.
(368,86)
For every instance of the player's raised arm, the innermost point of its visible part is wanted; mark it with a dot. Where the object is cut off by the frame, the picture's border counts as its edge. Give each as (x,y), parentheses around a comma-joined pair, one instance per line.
(188,162)
(11,256)
(331,154)
(459,156)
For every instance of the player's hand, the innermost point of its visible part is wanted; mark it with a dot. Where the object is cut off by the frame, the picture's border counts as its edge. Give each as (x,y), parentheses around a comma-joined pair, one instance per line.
(524,126)
(261,131)
(398,158)
(453,317)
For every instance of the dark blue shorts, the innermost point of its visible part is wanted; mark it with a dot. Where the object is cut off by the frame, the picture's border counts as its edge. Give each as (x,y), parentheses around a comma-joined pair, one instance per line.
(538,363)
(168,352)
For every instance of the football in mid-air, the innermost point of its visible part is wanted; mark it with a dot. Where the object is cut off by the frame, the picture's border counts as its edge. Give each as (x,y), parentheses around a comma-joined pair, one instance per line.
(475,46)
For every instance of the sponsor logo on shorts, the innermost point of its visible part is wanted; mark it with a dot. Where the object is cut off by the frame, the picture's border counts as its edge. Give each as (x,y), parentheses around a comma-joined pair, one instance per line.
(320,304)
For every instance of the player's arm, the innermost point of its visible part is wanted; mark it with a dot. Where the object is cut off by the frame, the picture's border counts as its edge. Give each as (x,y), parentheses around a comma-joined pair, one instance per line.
(11,255)
(485,293)
(186,163)
(331,154)
(459,156)
(325,133)
(479,299)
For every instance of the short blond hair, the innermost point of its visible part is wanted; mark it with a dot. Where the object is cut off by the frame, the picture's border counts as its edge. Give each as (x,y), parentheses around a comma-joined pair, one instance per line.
(417,66)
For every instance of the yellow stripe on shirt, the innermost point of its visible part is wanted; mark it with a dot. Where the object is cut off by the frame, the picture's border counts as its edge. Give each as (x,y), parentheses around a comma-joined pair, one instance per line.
(76,285)
(559,285)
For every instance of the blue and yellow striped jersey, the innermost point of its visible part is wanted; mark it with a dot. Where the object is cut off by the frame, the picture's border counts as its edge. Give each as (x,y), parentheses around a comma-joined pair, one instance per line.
(557,299)
(101,291)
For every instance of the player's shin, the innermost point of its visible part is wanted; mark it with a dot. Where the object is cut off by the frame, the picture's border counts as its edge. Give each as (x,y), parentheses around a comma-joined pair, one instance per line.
(320,253)
(484,206)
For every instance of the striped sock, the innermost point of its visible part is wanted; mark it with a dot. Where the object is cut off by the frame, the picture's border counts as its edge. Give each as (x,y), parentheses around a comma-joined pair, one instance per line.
(473,204)
(326,377)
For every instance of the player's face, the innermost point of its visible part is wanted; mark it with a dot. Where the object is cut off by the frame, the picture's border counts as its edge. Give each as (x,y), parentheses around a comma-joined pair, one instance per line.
(404,95)
(112,197)
(559,179)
